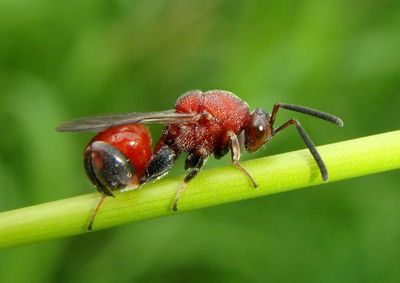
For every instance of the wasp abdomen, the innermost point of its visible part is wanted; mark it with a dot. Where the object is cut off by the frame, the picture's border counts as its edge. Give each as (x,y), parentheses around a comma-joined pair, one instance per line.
(107,168)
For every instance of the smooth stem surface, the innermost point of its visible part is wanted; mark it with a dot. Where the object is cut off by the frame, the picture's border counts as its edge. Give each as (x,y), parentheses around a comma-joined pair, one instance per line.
(274,174)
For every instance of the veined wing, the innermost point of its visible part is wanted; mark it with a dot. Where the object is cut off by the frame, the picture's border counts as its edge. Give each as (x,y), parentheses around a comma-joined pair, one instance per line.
(99,123)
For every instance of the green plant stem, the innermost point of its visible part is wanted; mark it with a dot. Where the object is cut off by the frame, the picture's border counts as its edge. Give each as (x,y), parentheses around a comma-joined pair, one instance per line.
(283,172)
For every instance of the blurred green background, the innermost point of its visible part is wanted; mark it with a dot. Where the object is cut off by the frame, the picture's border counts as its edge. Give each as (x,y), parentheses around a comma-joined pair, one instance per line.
(65,59)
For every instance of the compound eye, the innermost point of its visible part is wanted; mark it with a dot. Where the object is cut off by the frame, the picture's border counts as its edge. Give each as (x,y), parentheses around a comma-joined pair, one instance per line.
(258,130)
(107,168)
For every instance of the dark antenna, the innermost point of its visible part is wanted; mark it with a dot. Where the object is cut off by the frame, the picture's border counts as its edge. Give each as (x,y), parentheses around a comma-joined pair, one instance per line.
(306,138)
(312,112)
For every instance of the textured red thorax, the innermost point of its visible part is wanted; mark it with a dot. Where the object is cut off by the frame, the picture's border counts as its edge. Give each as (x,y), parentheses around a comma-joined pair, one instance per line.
(221,112)
(134,141)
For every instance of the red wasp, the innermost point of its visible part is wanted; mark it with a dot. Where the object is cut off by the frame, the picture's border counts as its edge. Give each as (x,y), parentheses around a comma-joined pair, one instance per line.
(202,124)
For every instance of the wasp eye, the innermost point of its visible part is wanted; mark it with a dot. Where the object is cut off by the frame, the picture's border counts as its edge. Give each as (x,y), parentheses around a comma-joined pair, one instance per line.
(258,130)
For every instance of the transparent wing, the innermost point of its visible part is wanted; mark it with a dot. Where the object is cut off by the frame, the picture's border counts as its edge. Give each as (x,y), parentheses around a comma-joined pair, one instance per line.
(99,123)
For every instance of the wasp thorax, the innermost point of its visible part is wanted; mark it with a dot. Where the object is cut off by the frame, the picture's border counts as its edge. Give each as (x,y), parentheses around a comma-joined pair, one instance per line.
(258,130)
(107,168)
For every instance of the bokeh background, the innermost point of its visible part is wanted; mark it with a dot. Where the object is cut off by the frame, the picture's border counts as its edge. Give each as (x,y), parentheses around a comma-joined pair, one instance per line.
(65,59)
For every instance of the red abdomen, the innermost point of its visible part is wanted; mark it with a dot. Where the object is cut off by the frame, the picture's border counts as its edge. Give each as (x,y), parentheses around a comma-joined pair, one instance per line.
(134,141)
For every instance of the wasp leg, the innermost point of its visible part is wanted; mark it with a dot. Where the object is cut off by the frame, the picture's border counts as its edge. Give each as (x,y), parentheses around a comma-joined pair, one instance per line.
(161,162)
(94,213)
(196,162)
(235,150)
